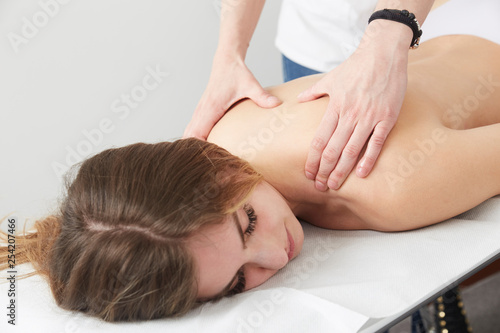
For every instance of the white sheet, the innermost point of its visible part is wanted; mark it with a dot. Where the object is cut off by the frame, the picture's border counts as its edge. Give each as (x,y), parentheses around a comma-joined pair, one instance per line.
(478,18)
(379,274)
(272,310)
(339,280)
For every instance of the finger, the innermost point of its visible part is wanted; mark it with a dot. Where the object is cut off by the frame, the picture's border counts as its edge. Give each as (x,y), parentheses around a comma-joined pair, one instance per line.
(373,149)
(264,99)
(202,123)
(191,132)
(200,132)
(349,156)
(332,152)
(187,131)
(326,128)
(311,93)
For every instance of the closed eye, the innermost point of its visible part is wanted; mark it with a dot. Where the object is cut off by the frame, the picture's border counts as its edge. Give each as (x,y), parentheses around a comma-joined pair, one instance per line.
(240,285)
(252,219)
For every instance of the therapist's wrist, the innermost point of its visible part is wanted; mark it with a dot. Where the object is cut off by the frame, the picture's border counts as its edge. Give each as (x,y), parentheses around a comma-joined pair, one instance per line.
(228,58)
(391,35)
(386,43)
(226,53)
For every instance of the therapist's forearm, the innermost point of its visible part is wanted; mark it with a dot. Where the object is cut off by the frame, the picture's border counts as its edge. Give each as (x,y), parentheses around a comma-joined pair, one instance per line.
(418,7)
(238,21)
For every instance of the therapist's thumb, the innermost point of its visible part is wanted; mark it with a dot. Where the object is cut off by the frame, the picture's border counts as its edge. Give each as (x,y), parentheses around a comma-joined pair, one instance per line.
(310,94)
(265,99)
(201,124)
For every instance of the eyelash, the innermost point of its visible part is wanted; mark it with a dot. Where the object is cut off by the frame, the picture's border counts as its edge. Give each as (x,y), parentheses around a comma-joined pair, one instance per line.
(240,285)
(252,219)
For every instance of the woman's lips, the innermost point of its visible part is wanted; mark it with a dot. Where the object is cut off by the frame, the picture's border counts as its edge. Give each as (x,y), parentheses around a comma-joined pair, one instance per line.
(291,245)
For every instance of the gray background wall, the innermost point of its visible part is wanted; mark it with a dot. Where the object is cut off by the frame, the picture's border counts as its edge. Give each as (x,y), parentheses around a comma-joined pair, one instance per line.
(67,66)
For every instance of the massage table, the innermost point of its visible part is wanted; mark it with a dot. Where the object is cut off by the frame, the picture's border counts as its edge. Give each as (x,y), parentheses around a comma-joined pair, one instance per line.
(343,281)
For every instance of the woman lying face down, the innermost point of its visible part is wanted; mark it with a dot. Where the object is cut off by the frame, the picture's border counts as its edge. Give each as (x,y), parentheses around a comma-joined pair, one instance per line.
(151,230)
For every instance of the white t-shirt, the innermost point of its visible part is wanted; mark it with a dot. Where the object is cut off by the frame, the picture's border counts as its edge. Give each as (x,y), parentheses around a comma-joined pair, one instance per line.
(320,34)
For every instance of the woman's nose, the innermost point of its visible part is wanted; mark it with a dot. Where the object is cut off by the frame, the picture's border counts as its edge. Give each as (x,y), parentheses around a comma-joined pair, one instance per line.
(269,256)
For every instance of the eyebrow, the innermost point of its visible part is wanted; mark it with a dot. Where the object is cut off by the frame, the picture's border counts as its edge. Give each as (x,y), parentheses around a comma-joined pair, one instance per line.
(236,220)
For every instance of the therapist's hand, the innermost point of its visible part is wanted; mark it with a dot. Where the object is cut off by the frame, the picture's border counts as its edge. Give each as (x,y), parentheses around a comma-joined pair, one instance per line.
(366,94)
(230,81)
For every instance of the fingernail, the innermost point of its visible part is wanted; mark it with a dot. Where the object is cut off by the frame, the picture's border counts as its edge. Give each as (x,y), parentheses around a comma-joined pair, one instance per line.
(309,175)
(361,171)
(273,99)
(333,185)
(320,186)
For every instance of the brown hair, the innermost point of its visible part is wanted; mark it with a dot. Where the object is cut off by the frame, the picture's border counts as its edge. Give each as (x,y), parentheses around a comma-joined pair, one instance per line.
(117,250)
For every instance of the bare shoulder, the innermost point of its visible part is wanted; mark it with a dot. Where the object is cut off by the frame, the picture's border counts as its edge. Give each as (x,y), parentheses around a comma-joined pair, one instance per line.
(457,49)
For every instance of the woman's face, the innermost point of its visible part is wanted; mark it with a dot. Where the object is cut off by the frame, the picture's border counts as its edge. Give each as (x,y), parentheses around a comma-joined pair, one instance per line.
(254,246)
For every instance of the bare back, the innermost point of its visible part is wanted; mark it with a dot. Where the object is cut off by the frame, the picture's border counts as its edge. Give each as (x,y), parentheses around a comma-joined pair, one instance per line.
(453,87)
